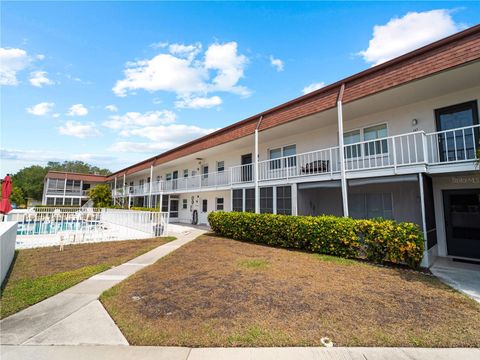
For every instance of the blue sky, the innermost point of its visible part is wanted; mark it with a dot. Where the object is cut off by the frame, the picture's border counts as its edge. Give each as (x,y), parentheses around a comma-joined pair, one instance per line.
(114,83)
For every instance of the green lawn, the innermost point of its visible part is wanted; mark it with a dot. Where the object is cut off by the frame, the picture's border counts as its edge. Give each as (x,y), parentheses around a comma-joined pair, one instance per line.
(37,274)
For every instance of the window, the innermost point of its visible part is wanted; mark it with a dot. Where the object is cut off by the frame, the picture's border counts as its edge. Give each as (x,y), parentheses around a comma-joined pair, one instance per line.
(204,205)
(369,134)
(284,200)
(58,201)
(250,200)
(168,177)
(131,187)
(165,203)
(219,203)
(159,178)
(237,200)
(68,201)
(220,166)
(352,137)
(184,203)
(75,201)
(374,133)
(185,173)
(56,185)
(371,206)
(266,200)
(50,201)
(205,171)
(286,151)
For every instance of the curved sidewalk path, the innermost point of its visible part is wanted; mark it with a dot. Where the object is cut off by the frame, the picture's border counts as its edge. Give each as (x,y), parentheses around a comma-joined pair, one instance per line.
(76,316)
(74,325)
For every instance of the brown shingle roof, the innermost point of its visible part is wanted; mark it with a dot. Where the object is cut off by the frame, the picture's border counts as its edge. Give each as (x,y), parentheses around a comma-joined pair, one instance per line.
(455,50)
(52,174)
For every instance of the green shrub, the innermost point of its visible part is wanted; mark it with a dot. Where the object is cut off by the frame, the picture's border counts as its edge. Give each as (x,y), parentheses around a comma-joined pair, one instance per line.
(376,240)
(138,208)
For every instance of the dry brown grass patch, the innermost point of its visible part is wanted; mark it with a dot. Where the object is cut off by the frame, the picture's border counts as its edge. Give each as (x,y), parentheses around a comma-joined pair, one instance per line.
(221,292)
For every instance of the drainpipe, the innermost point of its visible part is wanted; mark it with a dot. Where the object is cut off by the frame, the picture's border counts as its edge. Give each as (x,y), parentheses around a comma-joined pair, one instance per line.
(341,151)
(257,190)
(124,188)
(150,186)
(114,190)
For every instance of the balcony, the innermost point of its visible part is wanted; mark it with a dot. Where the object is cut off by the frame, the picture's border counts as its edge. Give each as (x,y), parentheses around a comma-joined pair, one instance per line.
(68,192)
(411,152)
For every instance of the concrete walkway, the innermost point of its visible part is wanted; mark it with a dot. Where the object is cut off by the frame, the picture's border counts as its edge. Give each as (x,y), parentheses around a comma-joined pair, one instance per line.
(179,353)
(464,277)
(75,316)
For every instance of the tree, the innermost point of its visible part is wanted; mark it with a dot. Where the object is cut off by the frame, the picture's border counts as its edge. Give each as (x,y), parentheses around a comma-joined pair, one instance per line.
(77,166)
(17,197)
(30,180)
(101,195)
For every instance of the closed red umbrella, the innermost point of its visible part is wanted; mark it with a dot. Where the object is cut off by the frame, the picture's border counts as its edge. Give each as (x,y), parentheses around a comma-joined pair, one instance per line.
(5,206)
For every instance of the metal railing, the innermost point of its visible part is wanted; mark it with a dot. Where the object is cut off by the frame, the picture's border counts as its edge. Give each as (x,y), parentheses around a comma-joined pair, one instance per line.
(242,173)
(453,146)
(415,148)
(391,151)
(317,162)
(50,226)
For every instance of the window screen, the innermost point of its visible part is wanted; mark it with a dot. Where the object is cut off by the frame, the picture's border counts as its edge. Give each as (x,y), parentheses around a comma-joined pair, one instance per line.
(284,200)
(266,200)
(250,200)
(237,200)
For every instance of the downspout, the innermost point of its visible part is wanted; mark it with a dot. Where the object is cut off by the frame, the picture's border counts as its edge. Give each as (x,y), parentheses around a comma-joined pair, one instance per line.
(150,186)
(114,191)
(257,190)
(341,152)
(124,188)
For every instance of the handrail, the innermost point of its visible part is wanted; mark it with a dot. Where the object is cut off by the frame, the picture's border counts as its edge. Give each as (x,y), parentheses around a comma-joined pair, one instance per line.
(412,148)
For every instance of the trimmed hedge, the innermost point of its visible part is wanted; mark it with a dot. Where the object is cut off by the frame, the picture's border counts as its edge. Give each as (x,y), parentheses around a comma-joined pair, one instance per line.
(376,240)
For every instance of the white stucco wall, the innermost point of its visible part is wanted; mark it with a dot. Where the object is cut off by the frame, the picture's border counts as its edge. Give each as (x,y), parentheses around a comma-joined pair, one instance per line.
(8,236)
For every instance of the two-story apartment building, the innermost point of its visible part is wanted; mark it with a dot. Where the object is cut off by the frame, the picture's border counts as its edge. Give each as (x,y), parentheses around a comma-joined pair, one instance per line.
(68,189)
(399,140)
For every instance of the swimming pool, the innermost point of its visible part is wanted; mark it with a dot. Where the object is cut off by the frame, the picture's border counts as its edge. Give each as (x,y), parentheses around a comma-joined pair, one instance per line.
(53,227)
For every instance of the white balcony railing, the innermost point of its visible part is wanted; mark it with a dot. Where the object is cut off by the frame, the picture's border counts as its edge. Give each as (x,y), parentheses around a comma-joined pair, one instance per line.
(416,148)
(311,163)
(457,145)
(392,151)
(242,173)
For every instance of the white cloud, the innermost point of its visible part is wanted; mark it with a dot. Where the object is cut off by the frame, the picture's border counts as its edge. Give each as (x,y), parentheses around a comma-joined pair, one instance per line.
(77,110)
(39,79)
(277,64)
(403,34)
(111,108)
(183,72)
(44,156)
(159,45)
(312,87)
(40,109)
(186,51)
(79,129)
(135,119)
(40,57)
(138,147)
(170,135)
(230,67)
(11,62)
(198,102)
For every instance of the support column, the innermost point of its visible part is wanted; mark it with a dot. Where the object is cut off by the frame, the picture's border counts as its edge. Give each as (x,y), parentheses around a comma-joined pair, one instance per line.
(257,190)
(274,202)
(64,191)
(124,191)
(425,260)
(150,187)
(114,190)
(342,153)
(294,199)
(45,191)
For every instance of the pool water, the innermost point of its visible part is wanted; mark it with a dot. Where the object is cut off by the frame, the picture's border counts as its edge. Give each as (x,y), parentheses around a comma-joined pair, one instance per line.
(44,227)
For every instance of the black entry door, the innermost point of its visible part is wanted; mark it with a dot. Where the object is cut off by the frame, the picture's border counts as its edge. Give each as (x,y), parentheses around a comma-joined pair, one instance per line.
(462,222)
(247,170)
(460,144)
(174,208)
